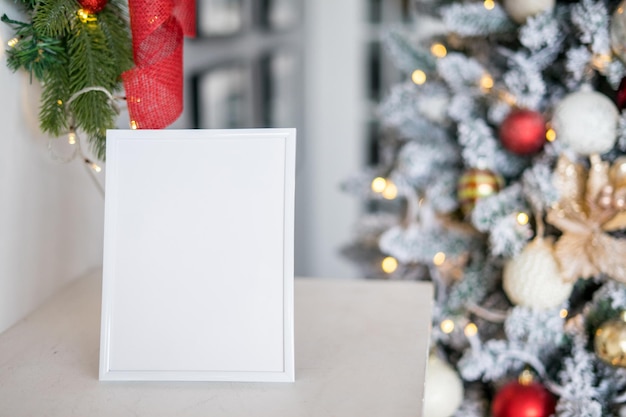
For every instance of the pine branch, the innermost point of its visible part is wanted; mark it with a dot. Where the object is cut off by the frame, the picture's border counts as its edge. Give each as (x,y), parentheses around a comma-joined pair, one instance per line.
(90,66)
(53,18)
(35,54)
(113,22)
(56,92)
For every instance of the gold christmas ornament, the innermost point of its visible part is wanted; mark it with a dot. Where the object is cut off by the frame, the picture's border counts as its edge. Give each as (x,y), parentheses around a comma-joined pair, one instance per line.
(590,206)
(475,184)
(618,31)
(610,341)
(617,173)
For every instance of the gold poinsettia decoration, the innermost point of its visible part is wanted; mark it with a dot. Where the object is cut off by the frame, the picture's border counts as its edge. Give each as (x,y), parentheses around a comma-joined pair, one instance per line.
(592,204)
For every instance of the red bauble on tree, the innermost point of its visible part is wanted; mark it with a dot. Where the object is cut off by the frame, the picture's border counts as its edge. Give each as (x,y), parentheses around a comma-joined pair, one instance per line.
(92,6)
(523,132)
(620,98)
(523,400)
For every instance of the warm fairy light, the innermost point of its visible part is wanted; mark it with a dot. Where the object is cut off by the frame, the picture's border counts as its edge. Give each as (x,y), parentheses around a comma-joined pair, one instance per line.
(439,258)
(13,42)
(522,219)
(95,167)
(508,98)
(71,138)
(379,184)
(526,378)
(470,330)
(447,326)
(489,4)
(438,50)
(60,102)
(83,15)
(391,191)
(133,125)
(563,313)
(486,82)
(550,135)
(418,77)
(600,61)
(389,265)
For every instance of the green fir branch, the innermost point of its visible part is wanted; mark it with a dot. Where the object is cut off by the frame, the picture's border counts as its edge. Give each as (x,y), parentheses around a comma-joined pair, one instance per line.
(28,4)
(90,66)
(33,53)
(53,17)
(113,22)
(53,117)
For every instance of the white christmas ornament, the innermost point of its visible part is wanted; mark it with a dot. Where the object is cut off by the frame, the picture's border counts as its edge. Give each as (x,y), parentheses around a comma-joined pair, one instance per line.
(444,389)
(533,279)
(520,10)
(587,122)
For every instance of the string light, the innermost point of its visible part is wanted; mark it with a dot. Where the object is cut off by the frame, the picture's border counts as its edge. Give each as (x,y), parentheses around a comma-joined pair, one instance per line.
(133,125)
(438,50)
(92,165)
(563,313)
(85,17)
(550,135)
(522,219)
(60,102)
(379,184)
(508,98)
(418,77)
(391,191)
(12,42)
(447,326)
(486,82)
(489,4)
(470,330)
(600,61)
(525,378)
(439,258)
(389,265)
(71,138)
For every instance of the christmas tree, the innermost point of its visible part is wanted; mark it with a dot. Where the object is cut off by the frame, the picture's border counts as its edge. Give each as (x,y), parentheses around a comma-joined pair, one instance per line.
(504,183)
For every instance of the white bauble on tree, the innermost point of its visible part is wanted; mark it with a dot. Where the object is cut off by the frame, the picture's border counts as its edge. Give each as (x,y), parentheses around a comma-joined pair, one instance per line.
(533,279)
(520,10)
(587,122)
(443,390)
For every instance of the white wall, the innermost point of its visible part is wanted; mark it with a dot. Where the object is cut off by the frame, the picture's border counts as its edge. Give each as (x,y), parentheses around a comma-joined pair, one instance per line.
(334,126)
(50,214)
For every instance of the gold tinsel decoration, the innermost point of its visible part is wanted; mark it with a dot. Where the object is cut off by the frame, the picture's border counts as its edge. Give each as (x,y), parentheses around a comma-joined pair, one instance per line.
(592,203)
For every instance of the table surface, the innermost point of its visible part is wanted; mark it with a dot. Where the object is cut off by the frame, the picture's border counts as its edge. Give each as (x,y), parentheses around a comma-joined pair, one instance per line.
(360,346)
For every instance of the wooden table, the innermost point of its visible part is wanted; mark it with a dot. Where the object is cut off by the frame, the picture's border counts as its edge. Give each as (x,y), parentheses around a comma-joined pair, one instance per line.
(361,349)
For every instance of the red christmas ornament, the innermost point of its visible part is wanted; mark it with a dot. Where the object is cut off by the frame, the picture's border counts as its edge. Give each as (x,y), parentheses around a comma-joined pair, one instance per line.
(523,132)
(620,98)
(92,6)
(523,400)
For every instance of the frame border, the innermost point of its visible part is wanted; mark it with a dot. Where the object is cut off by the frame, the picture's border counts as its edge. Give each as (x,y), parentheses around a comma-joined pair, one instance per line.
(108,275)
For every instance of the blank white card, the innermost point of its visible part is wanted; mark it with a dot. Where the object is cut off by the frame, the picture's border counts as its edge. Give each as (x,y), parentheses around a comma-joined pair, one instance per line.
(198,255)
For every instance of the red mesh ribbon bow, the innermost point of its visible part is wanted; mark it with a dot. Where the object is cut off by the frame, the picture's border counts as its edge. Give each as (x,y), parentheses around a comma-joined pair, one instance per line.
(154,87)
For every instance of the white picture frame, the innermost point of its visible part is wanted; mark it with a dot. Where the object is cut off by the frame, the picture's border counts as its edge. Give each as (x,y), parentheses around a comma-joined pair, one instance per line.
(198,255)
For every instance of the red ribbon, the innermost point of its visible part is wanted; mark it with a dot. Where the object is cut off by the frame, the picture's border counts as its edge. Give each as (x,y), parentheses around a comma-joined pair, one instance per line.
(154,87)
